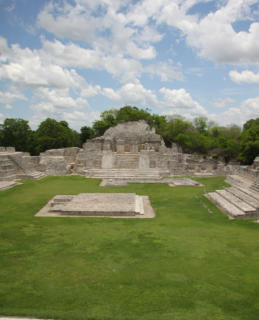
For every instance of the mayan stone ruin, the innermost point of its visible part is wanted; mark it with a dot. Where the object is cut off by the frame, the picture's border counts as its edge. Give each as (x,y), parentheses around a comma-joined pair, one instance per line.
(129,150)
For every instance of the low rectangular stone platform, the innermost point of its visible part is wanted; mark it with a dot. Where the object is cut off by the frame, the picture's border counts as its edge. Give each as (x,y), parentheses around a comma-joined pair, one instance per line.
(98,205)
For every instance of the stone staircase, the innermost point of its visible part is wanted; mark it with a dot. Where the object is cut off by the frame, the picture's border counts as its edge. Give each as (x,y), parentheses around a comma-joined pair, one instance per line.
(239,201)
(255,185)
(127,160)
(8,169)
(127,174)
(11,170)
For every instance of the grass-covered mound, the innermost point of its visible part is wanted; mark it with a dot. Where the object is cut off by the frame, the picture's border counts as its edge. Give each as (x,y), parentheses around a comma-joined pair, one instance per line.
(189,263)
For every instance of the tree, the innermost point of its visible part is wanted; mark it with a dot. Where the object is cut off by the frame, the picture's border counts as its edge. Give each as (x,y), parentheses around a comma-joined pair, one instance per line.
(16,133)
(52,134)
(86,133)
(250,141)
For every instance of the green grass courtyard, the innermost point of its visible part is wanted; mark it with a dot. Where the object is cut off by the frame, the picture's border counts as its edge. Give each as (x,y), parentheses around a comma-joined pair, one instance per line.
(188,263)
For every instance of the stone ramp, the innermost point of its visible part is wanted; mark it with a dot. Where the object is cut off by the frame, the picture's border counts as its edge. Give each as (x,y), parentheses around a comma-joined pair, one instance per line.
(239,200)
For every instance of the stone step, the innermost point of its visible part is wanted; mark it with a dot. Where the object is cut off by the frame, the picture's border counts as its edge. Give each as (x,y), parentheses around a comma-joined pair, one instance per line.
(7,184)
(243,206)
(139,205)
(244,196)
(36,175)
(251,193)
(225,205)
(7,173)
(124,173)
(8,177)
(255,185)
(7,167)
(239,180)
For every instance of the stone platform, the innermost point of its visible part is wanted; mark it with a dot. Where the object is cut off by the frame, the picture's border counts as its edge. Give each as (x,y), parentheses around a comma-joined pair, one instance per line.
(172,182)
(113,205)
(4,185)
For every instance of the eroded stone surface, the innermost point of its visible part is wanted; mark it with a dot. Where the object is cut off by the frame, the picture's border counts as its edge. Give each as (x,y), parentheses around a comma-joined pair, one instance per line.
(172,182)
(7,184)
(98,205)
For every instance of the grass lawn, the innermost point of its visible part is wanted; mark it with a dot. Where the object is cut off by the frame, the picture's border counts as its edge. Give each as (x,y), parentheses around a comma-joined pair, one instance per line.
(189,263)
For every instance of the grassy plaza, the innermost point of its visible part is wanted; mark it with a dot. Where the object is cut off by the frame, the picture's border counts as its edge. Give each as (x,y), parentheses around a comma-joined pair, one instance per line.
(188,263)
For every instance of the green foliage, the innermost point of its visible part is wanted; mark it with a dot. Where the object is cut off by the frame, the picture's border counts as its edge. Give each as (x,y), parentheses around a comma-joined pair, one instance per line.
(86,133)
(16,133)
(52,134)
(189,262)
(250,141)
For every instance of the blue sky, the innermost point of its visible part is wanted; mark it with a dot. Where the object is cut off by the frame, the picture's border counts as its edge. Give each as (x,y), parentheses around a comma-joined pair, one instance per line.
(70,60)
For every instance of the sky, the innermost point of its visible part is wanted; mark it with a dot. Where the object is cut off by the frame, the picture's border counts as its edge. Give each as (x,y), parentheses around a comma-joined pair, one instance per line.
(73,59)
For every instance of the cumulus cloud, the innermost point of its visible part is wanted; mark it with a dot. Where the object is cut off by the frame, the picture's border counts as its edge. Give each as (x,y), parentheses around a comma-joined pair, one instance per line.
(132,94)
(7,97)
(179,101)
(72,55)
(170,101)
(213,35)
(245,76)
(106,28)
(222,103)
(249,109)
(60,98)
(27,67)
(167,71)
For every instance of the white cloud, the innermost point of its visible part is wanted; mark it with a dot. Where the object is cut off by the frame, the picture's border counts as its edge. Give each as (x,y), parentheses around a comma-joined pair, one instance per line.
(8,107)
(179,101)
(170,101)
(102,25)
(167,71)
(60,98)
(10,96)
(249,109)
(245,76)
(72,55)
(78,119)
(132,94)
(27,67)
(214,35)
(222,103)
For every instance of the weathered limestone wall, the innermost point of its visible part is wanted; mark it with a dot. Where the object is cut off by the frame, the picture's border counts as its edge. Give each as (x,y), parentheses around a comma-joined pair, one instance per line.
(58,162)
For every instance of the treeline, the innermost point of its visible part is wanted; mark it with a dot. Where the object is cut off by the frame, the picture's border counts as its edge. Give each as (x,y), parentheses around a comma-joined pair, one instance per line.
(201,136)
